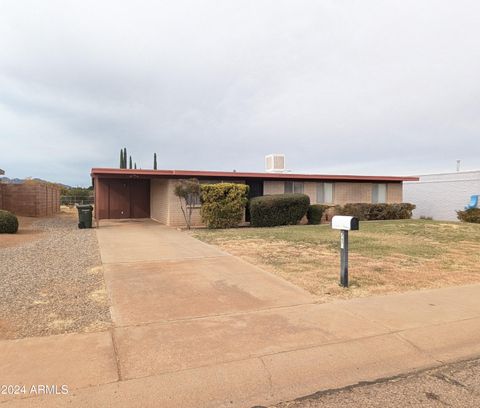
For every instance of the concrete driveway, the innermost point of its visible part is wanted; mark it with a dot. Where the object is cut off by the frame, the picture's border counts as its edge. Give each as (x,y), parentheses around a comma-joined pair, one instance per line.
(196,327)
(157,274)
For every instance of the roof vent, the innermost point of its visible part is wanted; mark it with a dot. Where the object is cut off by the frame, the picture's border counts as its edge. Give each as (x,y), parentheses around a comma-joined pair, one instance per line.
(275,163)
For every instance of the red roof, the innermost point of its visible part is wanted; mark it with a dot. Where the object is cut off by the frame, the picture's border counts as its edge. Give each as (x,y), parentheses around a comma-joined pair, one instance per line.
(112,172)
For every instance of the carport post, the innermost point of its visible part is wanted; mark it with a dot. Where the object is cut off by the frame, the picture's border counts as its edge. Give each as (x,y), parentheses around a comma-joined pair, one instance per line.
(344,258)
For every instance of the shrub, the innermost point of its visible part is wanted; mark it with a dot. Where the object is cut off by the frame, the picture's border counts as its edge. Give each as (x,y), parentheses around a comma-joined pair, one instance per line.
(223,204)
(188,192)
(470,215)
(8,222)
(370,212)
(315,213)
(278,209)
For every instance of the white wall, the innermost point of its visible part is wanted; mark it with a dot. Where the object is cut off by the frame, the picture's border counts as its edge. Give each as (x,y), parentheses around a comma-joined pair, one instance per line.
(441,195)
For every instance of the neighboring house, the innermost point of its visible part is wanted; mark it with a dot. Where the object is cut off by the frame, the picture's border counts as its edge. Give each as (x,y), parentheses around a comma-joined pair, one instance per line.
(440,195)
(122,193)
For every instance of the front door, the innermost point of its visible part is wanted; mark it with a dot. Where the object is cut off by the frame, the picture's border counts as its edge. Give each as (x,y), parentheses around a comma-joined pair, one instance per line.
(119,199)
(255,190)
(140,198)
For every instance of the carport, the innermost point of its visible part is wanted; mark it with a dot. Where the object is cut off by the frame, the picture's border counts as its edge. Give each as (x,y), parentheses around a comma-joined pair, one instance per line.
(117,198)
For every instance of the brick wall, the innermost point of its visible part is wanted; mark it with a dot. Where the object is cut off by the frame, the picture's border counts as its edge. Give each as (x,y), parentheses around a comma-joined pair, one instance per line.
(310,189)
(159,200)
(30,199)
(344,192)
(352,193)
(175,214)
(165,206)
(394,192)
(175,217)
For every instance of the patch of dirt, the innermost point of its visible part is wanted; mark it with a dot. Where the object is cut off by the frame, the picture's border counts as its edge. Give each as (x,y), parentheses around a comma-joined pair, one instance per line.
(26,233)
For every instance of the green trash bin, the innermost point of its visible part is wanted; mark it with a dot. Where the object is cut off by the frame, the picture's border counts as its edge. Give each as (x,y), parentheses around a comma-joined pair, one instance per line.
(84,215)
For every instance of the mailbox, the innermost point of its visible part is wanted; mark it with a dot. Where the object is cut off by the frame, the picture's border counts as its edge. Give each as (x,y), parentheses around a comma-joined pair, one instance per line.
(345,222)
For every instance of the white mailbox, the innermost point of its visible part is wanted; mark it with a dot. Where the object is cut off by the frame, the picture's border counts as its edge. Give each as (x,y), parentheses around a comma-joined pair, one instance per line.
(345,222)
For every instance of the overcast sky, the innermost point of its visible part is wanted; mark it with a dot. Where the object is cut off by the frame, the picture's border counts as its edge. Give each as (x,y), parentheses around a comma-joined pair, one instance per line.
(359,87)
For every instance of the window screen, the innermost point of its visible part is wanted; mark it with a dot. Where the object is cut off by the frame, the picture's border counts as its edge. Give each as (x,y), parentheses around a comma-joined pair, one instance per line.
(298,187)
(294,187)
(379,193)
(324,193)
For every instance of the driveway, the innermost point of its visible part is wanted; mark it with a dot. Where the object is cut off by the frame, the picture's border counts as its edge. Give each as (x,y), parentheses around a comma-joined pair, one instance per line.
(157,274)
(196,327)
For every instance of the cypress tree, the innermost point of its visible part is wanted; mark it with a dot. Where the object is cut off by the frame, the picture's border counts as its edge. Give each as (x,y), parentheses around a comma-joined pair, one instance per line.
(130,162)
(155,161)
(135,166)
(121,158)
(124,157)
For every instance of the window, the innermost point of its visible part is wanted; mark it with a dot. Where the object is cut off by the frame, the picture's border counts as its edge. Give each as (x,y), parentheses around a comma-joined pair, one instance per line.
(294,187)
(379,193)
(325,193)
(194,200)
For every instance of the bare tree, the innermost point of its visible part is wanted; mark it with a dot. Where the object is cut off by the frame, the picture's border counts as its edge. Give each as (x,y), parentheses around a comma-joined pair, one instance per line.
(188,192)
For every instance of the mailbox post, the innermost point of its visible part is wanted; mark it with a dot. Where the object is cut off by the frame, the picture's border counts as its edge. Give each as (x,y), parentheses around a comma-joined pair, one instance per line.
(344,224)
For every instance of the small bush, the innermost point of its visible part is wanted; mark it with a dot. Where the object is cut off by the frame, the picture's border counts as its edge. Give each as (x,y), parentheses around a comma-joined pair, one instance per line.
(8,222)
(315,213)
(370,212)
(278,209)
(223,204)
(470,215)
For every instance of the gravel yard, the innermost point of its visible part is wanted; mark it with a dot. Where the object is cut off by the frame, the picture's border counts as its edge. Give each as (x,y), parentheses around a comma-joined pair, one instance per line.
(54,284)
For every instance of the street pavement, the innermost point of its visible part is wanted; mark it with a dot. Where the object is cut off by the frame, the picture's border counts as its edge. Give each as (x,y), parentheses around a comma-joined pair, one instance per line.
(454,385)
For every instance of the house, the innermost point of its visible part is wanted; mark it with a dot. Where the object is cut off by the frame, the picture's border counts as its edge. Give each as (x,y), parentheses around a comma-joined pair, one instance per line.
(122,193)
(440,195)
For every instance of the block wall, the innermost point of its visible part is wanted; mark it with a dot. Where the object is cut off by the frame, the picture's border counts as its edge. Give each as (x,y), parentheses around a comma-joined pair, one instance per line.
(30,199)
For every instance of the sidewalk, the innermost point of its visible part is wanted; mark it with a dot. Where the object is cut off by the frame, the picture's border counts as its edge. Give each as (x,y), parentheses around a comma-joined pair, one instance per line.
(195,327)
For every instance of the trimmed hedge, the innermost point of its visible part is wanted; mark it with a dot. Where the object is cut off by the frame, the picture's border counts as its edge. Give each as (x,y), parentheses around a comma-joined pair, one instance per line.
(8,222)
(278,209)
(223,204)
(315,213)
(470,215)
(370,212)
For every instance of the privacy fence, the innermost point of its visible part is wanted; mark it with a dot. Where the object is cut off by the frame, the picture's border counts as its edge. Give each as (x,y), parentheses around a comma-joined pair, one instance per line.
(30,199)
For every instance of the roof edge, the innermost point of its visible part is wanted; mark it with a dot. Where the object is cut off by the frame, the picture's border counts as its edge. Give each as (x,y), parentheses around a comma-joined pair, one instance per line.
(99,171)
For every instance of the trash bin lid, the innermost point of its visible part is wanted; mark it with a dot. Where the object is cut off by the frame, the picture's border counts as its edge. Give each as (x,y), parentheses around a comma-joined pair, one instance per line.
(84,206)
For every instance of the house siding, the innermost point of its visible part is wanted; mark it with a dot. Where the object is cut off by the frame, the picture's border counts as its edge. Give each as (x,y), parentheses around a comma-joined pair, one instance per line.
(352,193)
(440,195)
(310,189)
(175,217)
(344,192)
(165,206)
(175,214)
(394,193)
(159,200)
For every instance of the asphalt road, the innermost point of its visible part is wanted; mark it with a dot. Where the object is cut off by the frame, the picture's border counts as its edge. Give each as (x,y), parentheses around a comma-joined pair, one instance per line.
(454,385)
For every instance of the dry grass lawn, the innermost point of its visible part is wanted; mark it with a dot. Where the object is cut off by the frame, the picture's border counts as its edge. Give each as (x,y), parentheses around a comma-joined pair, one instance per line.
(385,256)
